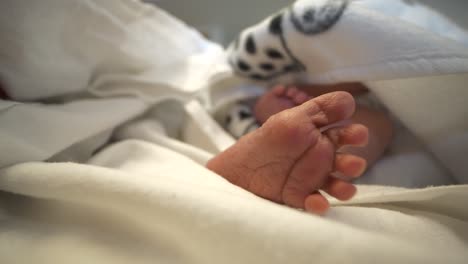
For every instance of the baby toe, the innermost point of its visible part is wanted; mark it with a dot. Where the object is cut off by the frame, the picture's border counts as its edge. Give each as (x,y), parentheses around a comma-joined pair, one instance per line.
(316,203)
(352,135)
(340,189)
(350,165)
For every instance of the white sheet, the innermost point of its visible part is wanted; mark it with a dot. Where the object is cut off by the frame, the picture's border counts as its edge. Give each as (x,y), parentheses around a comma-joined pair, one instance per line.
(148,197)
(435,109)
(79,51)
(145,203)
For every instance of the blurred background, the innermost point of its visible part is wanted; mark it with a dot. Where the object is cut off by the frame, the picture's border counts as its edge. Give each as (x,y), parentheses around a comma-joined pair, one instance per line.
(222,20)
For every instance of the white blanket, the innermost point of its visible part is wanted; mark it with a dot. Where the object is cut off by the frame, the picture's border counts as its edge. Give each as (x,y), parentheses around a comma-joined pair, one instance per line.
(144,203)
(99,67)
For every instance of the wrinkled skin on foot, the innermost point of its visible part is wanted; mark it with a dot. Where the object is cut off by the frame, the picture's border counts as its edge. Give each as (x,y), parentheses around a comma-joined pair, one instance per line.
(288,159)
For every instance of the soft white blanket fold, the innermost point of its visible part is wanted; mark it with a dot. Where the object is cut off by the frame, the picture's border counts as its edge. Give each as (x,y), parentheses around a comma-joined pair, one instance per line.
(131,69)
(145,203)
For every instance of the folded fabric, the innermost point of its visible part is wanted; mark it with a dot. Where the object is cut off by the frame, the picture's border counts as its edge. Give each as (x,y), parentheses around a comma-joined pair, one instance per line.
(61,58)
(146,196)
(328,41)
(137,202)
(399,50)
(75,47)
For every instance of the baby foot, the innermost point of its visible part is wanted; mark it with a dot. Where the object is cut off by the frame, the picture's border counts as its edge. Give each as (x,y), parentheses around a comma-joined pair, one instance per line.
(276,100)
(288,159)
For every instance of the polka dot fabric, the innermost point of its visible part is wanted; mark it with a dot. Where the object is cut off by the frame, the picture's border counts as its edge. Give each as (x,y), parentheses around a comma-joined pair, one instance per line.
(263,52)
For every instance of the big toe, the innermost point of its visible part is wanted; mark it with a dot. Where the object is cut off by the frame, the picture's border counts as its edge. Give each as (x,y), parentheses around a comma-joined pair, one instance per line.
(329,108)
(294,131)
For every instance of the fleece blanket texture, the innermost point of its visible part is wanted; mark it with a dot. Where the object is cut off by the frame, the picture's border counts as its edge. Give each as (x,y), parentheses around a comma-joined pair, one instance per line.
(104,140)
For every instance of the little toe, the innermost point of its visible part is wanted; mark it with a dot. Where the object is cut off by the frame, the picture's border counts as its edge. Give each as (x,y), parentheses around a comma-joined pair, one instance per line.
(350,165)
(316,203)
(340,189)
(352,135)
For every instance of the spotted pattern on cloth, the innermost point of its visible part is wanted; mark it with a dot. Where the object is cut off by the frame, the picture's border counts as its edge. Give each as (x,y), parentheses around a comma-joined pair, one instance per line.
(258,57)
(265,57)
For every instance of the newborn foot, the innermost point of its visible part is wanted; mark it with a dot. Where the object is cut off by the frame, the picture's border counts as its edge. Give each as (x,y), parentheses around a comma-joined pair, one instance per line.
(288,159)
(276,100)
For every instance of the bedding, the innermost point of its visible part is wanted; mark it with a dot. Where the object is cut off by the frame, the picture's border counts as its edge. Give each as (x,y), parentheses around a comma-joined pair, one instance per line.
(93,169)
